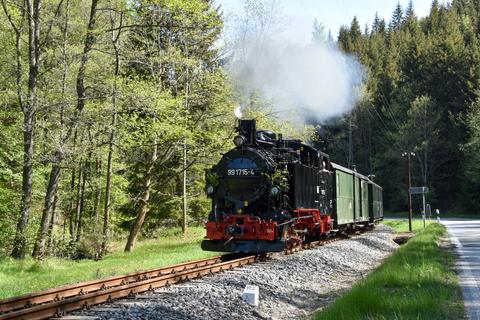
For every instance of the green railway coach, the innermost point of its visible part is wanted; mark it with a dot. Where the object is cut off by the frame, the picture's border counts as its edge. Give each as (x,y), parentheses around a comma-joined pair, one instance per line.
(357,200)
(375,200)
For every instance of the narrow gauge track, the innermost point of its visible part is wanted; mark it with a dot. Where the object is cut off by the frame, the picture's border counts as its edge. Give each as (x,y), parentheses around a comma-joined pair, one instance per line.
(57,302)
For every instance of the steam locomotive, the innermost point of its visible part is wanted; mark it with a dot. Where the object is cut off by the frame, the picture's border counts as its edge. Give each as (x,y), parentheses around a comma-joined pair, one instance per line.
(270,194)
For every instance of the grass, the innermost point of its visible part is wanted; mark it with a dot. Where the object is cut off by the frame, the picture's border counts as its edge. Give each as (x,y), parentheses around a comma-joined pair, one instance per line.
(20,277)
(402,225)
(416,282)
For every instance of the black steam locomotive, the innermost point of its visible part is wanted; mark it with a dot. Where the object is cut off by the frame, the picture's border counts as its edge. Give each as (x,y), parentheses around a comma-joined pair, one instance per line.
(270,193)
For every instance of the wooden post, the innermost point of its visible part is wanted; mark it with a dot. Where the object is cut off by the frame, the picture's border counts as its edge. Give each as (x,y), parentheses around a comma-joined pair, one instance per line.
(409,195)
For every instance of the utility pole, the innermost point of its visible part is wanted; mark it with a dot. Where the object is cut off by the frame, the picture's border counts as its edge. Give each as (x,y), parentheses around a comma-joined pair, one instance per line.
(409,155)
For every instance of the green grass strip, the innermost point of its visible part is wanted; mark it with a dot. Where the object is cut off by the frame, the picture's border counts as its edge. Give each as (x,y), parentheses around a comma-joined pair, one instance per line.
(402,225)
(20,277)
(416,282)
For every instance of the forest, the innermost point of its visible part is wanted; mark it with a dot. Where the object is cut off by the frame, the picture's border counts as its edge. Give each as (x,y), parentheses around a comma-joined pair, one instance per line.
(421,96)
(111,111)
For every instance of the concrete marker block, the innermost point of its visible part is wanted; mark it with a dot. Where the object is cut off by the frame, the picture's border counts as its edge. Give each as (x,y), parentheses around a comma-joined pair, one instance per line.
(250,295)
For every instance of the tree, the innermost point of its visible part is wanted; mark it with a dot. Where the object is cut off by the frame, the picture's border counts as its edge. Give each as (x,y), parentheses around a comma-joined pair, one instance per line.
(115,38)
(420,134)
(145,65)
(396,21)
(189,62)
(28,103)
(409,12)
(39,249)
(318,33)
(471,150)
(420,69)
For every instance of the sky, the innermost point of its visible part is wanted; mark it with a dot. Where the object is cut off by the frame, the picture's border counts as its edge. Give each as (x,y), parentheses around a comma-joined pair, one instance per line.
(331,13)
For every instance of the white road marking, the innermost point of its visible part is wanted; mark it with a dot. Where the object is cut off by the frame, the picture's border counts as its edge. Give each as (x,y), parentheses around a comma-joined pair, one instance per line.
(468,282)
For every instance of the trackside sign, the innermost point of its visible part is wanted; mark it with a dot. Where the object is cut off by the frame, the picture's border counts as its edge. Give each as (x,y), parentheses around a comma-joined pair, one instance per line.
(418,190)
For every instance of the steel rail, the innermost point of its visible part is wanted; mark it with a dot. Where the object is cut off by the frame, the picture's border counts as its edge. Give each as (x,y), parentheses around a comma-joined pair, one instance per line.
(59,308)
(57,301)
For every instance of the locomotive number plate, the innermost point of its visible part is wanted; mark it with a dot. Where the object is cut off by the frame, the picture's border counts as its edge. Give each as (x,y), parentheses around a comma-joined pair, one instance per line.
(240,172)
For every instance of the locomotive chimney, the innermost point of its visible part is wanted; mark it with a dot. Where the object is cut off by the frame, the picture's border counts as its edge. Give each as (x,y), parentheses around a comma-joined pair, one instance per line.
(248,129)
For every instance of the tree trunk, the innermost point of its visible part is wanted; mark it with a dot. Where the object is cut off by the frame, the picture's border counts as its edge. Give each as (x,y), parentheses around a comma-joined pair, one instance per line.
(78,201)
(81,97)
(20,244)
(29,108)
(108,183)
(81,203)
(185,202)
(51,226)
(70,212)
(98,190)
(70,209)
(143,210)
(108,186)
(39,248)
(88,45)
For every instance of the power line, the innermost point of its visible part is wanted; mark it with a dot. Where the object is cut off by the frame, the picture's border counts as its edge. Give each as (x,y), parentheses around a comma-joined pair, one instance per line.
(388,107)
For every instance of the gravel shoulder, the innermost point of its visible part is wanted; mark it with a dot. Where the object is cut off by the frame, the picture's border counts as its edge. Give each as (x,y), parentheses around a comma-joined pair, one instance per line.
(292,286)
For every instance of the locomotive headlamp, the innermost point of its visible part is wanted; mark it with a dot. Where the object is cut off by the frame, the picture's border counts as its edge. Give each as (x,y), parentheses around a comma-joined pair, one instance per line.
(209,189)
(238,140)
(274,191)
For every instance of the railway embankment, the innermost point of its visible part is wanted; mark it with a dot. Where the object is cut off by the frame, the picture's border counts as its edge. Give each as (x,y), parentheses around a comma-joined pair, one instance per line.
(290,286)
(418,281)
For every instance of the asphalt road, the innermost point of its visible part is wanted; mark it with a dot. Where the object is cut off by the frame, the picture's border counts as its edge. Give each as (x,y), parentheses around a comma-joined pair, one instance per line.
(465,235)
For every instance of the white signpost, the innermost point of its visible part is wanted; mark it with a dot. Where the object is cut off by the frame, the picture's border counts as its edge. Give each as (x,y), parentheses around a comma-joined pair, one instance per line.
(422,191)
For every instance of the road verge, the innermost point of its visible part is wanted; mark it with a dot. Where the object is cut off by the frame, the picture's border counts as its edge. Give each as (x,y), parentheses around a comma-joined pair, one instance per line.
(417,281)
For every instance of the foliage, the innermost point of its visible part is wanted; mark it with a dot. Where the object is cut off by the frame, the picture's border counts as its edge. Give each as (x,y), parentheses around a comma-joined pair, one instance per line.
(152,79)
(423,75)
(472,153)
(156,100)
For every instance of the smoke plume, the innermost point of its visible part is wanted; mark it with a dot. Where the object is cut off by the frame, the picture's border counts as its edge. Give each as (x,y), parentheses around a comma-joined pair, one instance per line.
(313,82)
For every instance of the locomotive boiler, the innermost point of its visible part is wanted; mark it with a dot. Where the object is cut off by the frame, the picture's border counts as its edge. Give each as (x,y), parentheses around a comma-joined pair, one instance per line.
(269,194)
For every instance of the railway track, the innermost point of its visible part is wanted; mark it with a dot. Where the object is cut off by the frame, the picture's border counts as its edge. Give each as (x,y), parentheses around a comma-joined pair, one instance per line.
(57,302)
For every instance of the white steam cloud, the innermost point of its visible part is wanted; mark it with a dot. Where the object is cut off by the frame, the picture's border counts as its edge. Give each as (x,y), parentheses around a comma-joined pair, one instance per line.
(310,81)
(238,112)
(302,82)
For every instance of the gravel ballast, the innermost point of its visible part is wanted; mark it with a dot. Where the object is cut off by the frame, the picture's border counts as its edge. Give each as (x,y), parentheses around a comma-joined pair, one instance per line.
(290,286)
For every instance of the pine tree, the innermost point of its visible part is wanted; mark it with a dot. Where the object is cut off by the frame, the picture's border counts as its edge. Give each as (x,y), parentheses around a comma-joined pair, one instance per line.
(318,33)
(409,12)
(376,23)
(355,31)
(396,21)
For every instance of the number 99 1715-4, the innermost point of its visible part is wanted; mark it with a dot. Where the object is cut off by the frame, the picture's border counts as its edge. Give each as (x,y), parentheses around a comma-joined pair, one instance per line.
(240,172)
